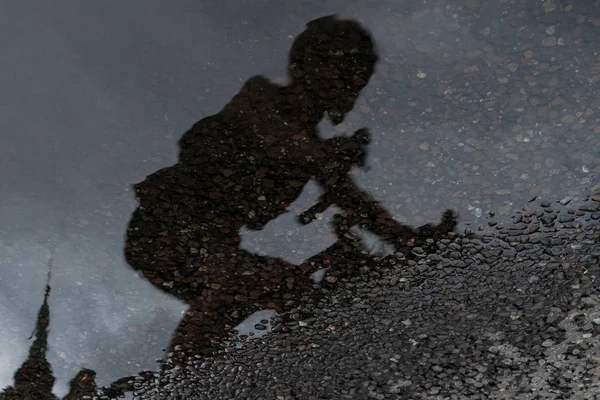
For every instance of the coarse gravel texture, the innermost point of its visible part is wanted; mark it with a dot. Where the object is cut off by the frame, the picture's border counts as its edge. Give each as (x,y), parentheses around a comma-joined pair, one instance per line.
(475,106)
(513,315)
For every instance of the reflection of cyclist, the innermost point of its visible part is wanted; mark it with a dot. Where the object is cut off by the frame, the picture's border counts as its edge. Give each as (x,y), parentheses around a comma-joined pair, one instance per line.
(273,129)
(243,167)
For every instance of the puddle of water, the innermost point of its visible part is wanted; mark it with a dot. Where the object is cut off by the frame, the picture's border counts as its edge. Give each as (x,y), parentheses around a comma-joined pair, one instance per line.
(438,142)
(319,275)
(96,322)
(285,238)
(255,326)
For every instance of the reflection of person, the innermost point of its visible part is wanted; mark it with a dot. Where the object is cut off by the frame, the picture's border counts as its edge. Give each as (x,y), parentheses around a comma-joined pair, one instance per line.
(243,167)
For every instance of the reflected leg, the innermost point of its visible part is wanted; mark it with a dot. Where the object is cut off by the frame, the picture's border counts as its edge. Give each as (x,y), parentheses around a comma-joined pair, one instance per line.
(248,283)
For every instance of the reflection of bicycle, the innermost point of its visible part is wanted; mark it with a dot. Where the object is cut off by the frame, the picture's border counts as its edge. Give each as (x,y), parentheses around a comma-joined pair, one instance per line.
(359,208)
(184,236)
(250,282)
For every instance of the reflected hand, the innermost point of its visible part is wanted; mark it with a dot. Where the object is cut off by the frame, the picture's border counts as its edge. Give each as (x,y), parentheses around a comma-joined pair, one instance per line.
(363,135)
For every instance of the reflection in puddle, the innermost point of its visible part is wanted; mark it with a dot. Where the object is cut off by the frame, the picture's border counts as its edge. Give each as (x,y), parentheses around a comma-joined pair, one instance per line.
(284,238)
(213,230)
(319,275)
(255,326)
(241,171)
(372,243)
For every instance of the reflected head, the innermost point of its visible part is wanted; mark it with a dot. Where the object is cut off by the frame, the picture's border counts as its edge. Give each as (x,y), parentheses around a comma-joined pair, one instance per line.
(333,59)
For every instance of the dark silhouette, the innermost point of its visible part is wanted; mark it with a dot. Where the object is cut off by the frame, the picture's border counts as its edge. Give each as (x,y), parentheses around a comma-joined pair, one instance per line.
(243,167)
(34,379)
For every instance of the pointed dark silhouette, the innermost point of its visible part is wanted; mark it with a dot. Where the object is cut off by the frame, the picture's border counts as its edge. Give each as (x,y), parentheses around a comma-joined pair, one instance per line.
(34,379)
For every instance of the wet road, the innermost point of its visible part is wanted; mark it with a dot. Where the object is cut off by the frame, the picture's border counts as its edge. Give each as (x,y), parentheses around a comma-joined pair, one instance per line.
(474,106)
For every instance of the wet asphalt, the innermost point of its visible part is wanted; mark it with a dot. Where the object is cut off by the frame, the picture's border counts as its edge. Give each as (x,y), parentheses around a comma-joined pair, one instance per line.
(486,108)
